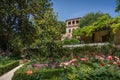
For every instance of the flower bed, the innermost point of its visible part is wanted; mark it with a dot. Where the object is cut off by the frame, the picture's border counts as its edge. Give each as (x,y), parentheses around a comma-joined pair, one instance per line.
(35,73)
(8,66)
(89,67)
(81,63)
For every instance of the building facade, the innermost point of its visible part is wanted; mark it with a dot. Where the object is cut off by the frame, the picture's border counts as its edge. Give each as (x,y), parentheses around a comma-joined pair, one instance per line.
(71,24)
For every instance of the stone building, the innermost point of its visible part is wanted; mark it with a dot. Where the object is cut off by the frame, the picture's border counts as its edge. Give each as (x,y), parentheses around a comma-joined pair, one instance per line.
(71,24)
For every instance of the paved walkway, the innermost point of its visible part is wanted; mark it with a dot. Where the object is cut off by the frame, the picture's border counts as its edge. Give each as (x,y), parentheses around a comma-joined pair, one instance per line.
(9,75)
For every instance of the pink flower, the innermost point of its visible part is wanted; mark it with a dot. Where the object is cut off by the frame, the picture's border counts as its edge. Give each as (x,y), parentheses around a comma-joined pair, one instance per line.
(64,64)
(83,59)
(72,61)
(118,63)
(99,57)
(36,65)
(109,58)
(46,65)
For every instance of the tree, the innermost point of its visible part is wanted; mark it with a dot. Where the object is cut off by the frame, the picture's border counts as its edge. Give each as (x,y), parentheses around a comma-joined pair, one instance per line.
(103,21)
(115,24)
(16,24)
(61,24)
(117,6)
(89,19)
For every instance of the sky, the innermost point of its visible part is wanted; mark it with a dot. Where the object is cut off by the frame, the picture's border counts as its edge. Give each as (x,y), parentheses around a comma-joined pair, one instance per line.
(68,9)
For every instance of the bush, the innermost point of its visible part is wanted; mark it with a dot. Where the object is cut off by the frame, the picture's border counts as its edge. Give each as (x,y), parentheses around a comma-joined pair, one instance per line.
(41,74)
(7,67)
(93,71)
(71,41)
(81,51)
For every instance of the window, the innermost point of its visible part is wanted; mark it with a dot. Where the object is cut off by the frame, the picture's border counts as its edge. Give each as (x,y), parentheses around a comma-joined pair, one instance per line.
(69,23)
(77,22)
(69,30)
(73,22)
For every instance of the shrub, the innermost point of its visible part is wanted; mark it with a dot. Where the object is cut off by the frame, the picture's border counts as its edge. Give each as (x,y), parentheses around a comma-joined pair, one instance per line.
(93,71)
(71,41)
(38,74)
(7,67)
(81,51)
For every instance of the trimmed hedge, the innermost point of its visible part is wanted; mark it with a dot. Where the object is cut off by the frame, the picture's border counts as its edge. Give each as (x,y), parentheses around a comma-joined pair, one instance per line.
(38,74)
(7,67)
(81,51)
(71,41)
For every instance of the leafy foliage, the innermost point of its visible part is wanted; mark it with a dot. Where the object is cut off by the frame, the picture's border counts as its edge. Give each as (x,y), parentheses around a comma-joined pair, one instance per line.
(115,24)
(101,22)
(71,41)
(8,66)
(28,23)
(118,6)
(89,19)
(61,24)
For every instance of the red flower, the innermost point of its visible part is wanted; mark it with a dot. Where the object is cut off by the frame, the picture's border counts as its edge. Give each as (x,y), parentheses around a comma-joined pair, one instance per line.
(109,58)
(111,63)
(83,59)
(29,72)
(102,64)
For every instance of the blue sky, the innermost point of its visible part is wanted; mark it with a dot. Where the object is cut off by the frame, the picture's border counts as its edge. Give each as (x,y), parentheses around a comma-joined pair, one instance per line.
(68,9)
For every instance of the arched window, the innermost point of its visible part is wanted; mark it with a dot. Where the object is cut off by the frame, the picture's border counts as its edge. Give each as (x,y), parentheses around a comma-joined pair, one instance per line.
(77,22)
(73,22)
(69,30)
(69,23)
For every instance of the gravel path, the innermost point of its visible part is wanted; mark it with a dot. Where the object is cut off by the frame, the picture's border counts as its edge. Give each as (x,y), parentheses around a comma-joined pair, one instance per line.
(8,75)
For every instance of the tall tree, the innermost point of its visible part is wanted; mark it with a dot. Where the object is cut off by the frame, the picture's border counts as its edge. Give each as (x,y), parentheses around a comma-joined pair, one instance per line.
(117,6)
(89,19)
(15,23)
(62,27)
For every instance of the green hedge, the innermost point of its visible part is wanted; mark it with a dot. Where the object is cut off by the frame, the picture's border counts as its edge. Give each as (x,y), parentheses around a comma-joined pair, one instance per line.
(38,74)
(71,41)
(81,51)
(7,67)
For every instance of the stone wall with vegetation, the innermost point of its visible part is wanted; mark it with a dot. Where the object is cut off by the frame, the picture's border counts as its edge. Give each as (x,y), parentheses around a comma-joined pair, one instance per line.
(117,38)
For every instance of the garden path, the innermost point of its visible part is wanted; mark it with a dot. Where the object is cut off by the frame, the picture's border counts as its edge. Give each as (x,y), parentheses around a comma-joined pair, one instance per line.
(9,75)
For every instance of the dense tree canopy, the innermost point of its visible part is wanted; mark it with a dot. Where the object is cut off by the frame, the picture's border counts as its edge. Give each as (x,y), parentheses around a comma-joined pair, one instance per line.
(15,21)
(27,23)
(101,22)
(118,6)
(89,19)
(61,24)
(115,24)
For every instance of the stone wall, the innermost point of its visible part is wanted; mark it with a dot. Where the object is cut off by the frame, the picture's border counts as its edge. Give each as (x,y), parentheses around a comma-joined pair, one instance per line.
(117,38)
(99,36)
